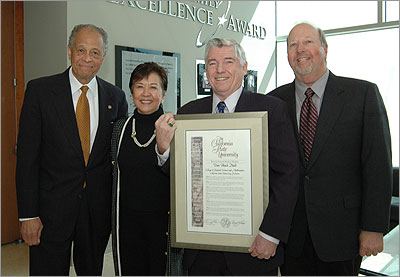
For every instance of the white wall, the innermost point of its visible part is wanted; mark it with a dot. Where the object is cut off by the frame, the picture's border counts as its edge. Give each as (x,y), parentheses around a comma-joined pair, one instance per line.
(133,27)
(45,30)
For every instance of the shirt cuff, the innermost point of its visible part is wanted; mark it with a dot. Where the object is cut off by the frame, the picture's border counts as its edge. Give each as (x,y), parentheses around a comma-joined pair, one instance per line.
(267,237)
(162,158)
(28,218)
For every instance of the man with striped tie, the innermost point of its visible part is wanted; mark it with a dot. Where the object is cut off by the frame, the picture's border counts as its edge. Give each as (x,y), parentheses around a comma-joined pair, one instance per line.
(226,66)
(343,204)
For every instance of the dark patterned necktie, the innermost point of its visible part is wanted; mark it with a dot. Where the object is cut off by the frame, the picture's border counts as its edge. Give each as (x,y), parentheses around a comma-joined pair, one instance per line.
(221,107)
(308,123)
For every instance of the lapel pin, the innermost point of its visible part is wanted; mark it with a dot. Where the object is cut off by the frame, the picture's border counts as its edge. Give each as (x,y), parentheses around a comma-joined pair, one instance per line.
(109,107)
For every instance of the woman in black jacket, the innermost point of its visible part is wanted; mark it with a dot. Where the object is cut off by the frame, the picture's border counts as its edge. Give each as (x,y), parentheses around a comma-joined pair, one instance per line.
(140,207)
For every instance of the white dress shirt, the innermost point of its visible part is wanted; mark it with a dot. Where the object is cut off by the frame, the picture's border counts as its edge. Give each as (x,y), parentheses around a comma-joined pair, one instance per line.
(230,101)
(318,87)
(93,98)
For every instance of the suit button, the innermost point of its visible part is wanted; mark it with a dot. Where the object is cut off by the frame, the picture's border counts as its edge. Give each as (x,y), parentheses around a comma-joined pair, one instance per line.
(307,178)
(80,196)
(166,254)
(166,233)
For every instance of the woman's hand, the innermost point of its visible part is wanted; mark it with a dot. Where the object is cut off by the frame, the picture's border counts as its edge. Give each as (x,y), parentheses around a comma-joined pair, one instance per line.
(165,130)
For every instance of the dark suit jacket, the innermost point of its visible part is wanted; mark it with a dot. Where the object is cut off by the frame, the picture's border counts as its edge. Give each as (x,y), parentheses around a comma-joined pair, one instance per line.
(50,164)
(347,185)
(283,179)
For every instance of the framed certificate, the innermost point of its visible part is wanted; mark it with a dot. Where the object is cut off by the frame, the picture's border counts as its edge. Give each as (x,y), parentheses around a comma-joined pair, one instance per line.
(219,180)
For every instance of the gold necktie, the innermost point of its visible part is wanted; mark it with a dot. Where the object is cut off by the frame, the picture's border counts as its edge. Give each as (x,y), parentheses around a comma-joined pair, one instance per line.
(83,120)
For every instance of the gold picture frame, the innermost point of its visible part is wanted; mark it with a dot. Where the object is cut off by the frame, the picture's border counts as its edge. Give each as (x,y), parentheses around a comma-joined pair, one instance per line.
(219,180)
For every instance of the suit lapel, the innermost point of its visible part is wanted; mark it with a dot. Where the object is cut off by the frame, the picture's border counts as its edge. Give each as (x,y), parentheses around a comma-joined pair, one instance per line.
(208,107)
(104,105)
(332,104)
(65,108)
(242,104)
(290,98)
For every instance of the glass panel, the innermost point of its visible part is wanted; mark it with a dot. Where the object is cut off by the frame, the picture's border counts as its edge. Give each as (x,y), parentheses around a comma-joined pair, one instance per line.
(260,53)
(386,262)
(392,10)
(372,56)
(325,14)
(283,71)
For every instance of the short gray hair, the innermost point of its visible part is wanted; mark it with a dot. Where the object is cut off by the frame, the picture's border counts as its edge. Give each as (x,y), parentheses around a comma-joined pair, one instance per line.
(220,42)
(92,27)
(322,37)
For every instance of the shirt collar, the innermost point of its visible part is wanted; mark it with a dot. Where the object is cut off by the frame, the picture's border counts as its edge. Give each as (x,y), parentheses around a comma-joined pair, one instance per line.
(230,101)
(318,87)
(76,85)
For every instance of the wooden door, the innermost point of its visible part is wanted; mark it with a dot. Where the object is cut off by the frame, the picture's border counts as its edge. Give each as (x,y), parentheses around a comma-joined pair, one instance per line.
(12,92)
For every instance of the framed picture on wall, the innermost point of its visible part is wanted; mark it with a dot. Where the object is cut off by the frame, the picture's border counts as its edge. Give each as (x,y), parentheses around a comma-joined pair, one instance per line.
(203,87)
(126,60)
(250,81)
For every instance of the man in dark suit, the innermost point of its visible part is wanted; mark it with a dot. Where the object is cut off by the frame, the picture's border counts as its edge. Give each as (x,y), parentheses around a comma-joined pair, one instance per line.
(226,66)
(343,204)
(64,193)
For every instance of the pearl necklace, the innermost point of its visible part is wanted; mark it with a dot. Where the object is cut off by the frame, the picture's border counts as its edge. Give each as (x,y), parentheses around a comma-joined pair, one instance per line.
(133,135)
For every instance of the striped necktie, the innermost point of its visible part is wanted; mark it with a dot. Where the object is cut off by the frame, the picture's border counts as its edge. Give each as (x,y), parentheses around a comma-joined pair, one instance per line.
(308,123)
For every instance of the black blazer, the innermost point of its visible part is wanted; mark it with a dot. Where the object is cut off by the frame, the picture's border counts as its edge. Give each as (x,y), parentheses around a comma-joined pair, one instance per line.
(283,179)
(50,165)
(347,185)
